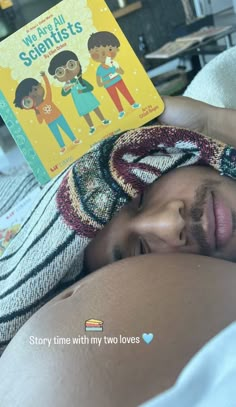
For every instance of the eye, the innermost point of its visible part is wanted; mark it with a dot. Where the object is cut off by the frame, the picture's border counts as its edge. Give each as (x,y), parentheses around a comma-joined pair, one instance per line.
(60,72)
(71,65)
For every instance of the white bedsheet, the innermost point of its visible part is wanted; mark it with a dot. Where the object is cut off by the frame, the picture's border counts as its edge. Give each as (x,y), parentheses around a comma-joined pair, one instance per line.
(209,379)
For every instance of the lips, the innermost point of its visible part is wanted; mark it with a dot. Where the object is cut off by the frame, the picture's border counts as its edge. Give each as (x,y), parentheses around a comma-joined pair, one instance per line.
(223,222)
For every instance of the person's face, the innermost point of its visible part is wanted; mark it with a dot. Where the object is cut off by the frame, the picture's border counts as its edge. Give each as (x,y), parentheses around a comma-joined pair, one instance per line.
(67,72)
(37,94)
(99,54)
(188,210)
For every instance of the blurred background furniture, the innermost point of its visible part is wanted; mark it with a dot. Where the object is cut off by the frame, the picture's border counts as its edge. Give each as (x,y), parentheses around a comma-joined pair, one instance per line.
(177,79)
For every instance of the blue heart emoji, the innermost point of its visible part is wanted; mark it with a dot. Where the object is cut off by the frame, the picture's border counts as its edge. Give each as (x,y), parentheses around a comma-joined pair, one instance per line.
(147,338)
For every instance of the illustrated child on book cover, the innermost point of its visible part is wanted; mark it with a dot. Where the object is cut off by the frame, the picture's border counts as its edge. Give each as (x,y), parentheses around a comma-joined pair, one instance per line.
(30,94)
(65,67)
(103,47)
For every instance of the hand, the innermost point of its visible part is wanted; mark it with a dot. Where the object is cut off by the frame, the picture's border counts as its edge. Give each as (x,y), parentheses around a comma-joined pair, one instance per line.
(120,70)
(184,112)
(42,73)
(106,82)
(67,86)
(215,122)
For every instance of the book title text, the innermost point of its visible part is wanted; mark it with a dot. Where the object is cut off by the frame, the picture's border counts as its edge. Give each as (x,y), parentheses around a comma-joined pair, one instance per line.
(54,34)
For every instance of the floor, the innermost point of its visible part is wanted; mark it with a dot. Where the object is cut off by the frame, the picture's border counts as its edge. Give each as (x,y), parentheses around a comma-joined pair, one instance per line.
(10,156)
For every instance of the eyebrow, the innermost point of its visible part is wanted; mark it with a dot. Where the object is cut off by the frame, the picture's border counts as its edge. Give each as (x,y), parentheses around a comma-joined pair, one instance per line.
(116,254)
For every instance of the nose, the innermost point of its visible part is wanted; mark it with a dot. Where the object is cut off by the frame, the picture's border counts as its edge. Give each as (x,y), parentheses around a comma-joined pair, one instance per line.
(166,224)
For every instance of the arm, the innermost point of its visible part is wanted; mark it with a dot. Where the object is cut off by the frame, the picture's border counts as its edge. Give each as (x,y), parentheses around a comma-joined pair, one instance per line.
(104,77)
(102,83)
(99,81)
(222,124)
(48,87)
(215,122)
(39,116)
(120,70)
(66,90)
(88,88)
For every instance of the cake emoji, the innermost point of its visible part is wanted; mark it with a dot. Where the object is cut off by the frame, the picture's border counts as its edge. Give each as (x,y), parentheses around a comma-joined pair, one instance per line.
(95,325)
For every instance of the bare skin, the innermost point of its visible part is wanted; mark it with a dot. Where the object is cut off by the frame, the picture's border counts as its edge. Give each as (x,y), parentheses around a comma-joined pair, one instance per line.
(215,122)
(189,210)
(98,113)
(184,300)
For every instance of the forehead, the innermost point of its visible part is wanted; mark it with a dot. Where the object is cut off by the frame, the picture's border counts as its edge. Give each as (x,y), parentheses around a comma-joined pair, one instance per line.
(36,86)
(102,47)
(184,179)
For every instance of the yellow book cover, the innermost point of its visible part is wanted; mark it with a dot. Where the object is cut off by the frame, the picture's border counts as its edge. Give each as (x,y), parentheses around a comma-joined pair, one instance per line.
(69,79)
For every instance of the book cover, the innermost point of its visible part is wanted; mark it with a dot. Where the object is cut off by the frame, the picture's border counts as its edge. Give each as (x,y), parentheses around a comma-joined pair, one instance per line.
(69,79)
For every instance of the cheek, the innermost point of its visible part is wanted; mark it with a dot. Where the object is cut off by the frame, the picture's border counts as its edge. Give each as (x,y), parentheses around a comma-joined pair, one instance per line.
(95,56)
(112,54)
(67,76)
(70,75)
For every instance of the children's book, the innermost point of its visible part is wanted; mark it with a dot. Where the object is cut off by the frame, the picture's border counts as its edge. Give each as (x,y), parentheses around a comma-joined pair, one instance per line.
(181,44)
(69,79)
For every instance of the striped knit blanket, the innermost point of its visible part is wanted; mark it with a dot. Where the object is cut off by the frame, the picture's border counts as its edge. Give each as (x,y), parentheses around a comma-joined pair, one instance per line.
(47,254)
